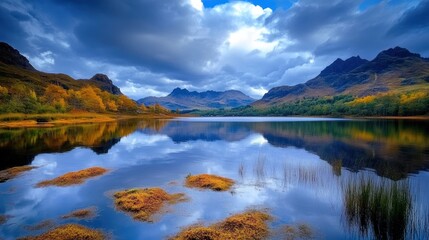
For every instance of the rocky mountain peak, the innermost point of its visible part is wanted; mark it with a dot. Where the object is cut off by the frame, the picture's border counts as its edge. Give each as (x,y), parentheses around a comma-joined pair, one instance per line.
(11,56)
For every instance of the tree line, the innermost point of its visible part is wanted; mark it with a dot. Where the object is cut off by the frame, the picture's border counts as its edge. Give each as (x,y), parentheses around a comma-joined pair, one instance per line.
(20,98)
(411,103)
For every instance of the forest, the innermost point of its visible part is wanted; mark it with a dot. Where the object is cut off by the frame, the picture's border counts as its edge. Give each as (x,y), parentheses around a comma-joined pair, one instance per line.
(412,103)
(20,98)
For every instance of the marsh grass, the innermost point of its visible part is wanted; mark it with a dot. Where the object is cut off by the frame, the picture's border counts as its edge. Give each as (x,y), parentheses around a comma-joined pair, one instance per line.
(69,232)
(209,181)
(85,213)
(248,225)
(73,178)
(336,167)
(143,204)
(259,169)
(378,208)
(13,172)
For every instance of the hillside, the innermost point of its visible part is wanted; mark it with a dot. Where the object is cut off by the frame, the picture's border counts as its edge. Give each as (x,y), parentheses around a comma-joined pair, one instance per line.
(392,71)
(24,89)
(182,99)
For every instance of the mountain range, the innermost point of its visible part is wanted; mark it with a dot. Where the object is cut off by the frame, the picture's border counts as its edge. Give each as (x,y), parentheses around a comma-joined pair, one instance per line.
(392,70)
(182,99)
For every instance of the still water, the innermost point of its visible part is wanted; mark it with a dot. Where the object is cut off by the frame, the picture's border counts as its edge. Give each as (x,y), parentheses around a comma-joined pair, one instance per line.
(304,171)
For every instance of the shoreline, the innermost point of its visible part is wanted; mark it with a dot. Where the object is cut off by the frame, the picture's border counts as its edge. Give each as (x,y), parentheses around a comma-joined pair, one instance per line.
(60,119)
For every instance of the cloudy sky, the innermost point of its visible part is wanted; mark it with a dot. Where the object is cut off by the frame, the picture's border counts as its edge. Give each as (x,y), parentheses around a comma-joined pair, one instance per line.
(150,47)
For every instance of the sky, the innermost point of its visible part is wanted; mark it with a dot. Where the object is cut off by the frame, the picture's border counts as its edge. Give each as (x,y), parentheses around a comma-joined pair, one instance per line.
(150,47)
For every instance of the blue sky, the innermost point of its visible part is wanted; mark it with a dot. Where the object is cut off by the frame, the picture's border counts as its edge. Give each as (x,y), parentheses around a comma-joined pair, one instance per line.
(150,47)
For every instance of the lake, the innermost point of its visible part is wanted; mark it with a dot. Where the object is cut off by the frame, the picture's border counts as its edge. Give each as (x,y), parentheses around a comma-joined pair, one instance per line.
(341,178)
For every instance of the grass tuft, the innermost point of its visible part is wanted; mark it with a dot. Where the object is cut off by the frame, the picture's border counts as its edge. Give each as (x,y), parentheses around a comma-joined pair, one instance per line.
(69,232)
(10,173)
(86,213)
(142,204)
(73,178)
(248,225)
(208,181)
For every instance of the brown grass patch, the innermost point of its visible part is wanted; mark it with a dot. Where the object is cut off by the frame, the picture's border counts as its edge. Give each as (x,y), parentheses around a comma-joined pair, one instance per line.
(69,232)
(85,213)
(73,178)
(208,181)
(248,225)
(142,204)
(10,173)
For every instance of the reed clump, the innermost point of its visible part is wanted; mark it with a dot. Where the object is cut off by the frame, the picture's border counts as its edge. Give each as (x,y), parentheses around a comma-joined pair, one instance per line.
(85,213)
(69,232)
(248,225)
(73,178)
(13,172)
(142,204)
(378,208)
(209,181)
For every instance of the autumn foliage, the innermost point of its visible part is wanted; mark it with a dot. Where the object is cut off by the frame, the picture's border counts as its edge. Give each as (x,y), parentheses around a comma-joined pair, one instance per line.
(20,98)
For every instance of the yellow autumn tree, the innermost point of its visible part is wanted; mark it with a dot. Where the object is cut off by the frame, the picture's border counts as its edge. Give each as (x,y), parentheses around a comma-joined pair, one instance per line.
(125,104)
(90,100)
(55,96)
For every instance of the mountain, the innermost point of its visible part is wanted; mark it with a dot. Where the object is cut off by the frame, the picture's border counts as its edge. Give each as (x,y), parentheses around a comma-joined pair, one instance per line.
(183,99)
(392,70)
(104,83)
(15,68)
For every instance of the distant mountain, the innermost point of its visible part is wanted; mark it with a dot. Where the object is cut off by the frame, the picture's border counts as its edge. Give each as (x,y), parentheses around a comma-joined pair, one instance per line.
(183,99)
(393,70)
(15,68)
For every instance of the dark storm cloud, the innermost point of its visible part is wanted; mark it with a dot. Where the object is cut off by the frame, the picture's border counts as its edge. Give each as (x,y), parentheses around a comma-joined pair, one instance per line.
(163,36)
(149,47)
(415,19)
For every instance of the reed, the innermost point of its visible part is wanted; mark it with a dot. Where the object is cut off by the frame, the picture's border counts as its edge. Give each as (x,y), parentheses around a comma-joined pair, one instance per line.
(381,209)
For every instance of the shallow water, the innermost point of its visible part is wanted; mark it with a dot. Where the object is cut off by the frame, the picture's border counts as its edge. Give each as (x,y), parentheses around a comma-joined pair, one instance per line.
(297,168)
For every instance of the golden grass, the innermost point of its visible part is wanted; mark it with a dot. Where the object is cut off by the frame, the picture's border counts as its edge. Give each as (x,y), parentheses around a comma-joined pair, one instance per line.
(73,178)
(16,120)
(208,181)
(69,232)
(248,225)
(142,204)
(13,172)
(85,213)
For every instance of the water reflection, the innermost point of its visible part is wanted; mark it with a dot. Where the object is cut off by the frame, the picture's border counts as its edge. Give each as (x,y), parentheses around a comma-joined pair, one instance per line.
(393,149)
(299,170)
(20,146)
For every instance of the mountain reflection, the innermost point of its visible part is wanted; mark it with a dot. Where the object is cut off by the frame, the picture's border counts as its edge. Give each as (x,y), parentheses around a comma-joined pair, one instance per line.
(20,146)
(392,148)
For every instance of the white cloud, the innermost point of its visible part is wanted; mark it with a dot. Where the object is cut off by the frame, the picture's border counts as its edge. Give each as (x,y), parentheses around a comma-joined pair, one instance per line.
(43,61)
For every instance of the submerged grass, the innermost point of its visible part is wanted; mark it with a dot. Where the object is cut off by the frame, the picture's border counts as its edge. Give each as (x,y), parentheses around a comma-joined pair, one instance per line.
(43,225)
(142,204)
(85,213)
(300,231)
(3,219)
(14,172)
(208,181)
(378,208)
(73,178)
(69,232)
(248,225)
